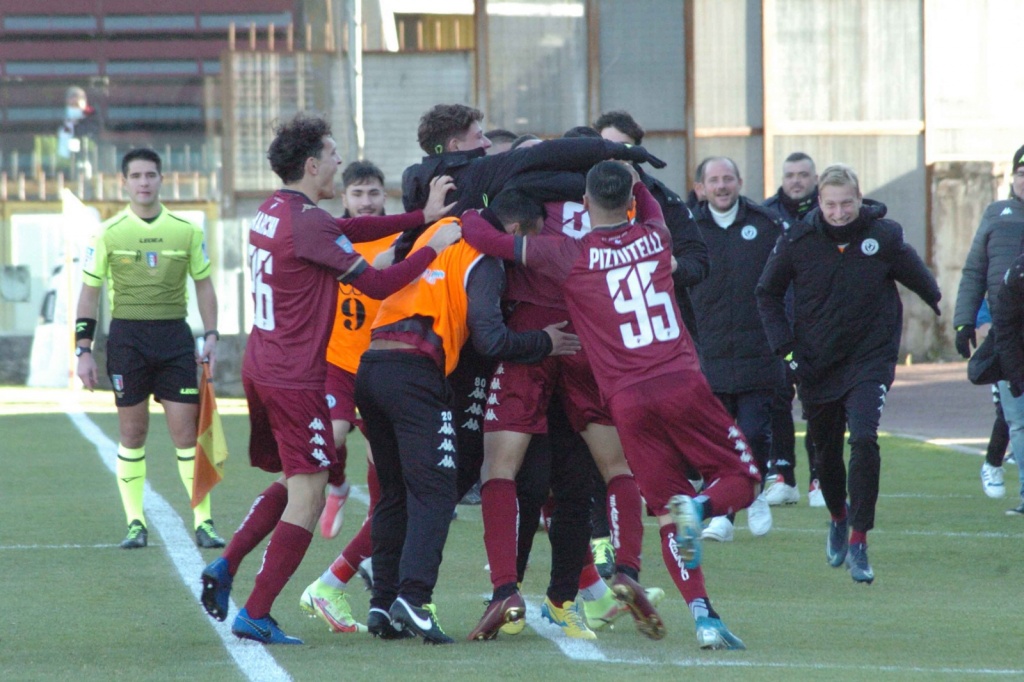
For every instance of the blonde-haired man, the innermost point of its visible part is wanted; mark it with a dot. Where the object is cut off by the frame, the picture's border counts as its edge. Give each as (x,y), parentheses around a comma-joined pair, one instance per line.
(845,258)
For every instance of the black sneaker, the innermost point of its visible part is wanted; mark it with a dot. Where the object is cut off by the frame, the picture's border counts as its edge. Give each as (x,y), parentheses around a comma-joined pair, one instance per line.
(1016,511)
(137,537)
(378,624)
(421,620)
(857,561)
(206,536)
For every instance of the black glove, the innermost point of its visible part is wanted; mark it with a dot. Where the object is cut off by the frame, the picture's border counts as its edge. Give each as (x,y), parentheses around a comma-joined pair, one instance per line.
(965,340)
(802,370)
(640,155)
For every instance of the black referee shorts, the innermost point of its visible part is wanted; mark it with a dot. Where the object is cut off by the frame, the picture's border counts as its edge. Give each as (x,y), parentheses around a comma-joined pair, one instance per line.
(152,357)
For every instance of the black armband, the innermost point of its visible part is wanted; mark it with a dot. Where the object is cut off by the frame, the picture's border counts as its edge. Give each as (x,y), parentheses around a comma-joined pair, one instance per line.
(85,329)
(211,332)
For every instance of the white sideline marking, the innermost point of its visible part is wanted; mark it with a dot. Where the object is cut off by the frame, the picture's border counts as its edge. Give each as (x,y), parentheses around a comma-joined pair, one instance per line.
(251,657)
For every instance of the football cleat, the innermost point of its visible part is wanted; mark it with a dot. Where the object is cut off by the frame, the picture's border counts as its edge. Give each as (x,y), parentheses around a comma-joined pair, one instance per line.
(634,598)
(379,624)
(605,611)
(333,514)
(138,536)
(330,604)
(687,517)
(216,592)
(264,630)
(604,556)
(207,537)
(567,617)
(1016,511)
(498,613)
(712,634)
(420,620)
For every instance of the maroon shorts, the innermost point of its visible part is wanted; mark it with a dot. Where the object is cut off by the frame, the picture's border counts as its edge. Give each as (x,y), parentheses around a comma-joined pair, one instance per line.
(290,429)
(341,387)
(519,394)
(673,429)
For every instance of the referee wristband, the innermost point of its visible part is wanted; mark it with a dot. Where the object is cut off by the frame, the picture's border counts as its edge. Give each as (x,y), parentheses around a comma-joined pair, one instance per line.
(85,329)
(212,332)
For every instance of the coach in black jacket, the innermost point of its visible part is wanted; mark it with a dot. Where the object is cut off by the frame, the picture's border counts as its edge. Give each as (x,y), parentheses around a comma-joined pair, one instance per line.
(843,264)
(734,353)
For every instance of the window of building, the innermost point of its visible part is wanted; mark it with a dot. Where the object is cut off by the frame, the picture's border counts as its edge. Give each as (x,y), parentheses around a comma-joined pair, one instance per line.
(165,114)
(55,68)
(166,67)
(43,22)
(149,22)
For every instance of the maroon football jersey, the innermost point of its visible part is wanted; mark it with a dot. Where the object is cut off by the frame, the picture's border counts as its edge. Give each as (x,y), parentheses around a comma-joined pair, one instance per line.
(563,219)
(618,287)
(297,255)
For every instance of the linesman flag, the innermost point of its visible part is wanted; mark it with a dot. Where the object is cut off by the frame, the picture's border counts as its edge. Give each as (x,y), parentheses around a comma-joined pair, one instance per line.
(211,446)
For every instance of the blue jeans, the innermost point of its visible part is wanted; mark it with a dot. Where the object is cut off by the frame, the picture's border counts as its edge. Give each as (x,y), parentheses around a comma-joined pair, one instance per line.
(1013,410)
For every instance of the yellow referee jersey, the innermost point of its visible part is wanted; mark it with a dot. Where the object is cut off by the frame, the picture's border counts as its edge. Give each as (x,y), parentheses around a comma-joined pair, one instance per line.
(146,264)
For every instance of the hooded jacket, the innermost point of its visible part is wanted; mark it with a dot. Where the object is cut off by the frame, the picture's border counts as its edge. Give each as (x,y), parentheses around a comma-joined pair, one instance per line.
(848,316)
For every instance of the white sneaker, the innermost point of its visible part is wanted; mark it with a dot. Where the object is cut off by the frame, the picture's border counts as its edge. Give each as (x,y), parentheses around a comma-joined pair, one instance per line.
(759,516)
(780,494)
(814,496)
(720,530)
(992,481)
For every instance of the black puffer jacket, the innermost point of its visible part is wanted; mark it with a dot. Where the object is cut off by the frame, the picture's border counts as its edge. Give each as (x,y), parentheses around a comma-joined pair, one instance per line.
(848,317)
(734,351)
(998,241)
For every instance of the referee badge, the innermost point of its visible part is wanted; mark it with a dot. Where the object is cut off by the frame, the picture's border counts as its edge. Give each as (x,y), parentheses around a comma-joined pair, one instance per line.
(118,382)
(151,258)
(869,247)
(748,232)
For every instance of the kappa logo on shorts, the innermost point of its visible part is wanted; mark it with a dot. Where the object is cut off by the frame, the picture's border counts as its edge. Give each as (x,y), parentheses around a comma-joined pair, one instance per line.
(471,425)
(478,393)
(491,417)
(492,400)
(446,429)
(447,462)
(474,408)
(446,445)
(319,456)
(317,439)
(495,384)
(316,424)
(500,370)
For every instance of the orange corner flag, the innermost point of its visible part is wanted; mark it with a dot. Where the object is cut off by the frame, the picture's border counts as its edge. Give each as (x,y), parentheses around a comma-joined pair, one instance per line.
(211,446)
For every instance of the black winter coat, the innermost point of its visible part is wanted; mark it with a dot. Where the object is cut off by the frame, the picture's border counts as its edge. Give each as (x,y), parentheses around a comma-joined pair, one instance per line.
(848,317)
(1008,324)
(734,351)
(687,246)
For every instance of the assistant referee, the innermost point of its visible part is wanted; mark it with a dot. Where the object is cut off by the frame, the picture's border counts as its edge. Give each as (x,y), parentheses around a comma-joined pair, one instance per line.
(145,253)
